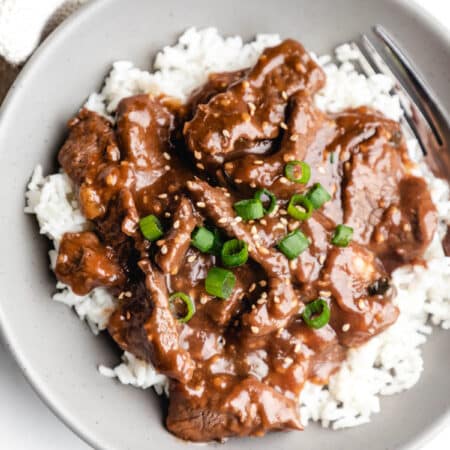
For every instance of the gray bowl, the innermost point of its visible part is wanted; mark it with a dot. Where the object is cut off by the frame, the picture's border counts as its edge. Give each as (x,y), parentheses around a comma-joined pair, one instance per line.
(55,350)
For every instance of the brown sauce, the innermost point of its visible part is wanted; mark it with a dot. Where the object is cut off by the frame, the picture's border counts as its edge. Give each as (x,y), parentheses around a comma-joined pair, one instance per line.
(237,367)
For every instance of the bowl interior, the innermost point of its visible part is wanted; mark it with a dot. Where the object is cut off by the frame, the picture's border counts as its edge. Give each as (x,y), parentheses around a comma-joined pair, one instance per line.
(56,351)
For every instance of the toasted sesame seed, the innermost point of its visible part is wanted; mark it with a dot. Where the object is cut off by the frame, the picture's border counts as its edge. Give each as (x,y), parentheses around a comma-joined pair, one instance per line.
(263,283)
(278,226)
(160,242)
(264,251)
(288,361)
(251,108)
(201,204)
(238,219)
(253,184)
(223,220)
(227,194)
(284,95)
(293,264)
(287,158)
(297,348)
(254,329)
(325,293)
(176,224)
(276,299)
(264,295)
(245,84)
(258,162)
(283,220)
(121,295)
(197,155)
(164,249)
(407,227)
(128,294)
(226,133)
(294,137)
(191,258)
(253,230)
(176,197)
(362,304)
(345,327)
(162,196)
(128,315)
(190,184)
(283,125)
(200,166)
(293,226)
(167,156)
(203,299)
(284,180)
(167,214)
(111,179)
(263,222)
(252,287)
(261,301)
(321,169)
(238,181)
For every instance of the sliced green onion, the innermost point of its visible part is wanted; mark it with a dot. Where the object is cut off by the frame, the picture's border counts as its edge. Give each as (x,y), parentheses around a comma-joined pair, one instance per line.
(249,209)
(291,171)
(316,314)
(203,239)
(342,236)
(293,244)
(300,207)
(220,282)
(151,227)
(217,244)
(263,195)
(317,195)
(188,303)
(234,253)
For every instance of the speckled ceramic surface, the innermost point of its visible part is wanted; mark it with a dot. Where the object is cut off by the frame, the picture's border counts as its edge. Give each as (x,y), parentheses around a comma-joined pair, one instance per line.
(56,351)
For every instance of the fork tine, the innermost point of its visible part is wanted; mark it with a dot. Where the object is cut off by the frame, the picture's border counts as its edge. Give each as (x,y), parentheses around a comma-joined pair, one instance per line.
(426,97)
(413,114)
(368,68)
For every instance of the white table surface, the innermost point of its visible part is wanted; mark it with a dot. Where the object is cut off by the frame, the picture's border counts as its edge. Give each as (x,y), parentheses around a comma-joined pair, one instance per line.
(27,424)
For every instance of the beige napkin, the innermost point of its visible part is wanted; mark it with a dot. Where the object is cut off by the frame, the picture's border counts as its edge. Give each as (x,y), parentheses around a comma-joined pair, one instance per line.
(23,25)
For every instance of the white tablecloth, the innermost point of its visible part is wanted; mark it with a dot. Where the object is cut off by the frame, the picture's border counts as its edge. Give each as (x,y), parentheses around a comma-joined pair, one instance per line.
(27,424)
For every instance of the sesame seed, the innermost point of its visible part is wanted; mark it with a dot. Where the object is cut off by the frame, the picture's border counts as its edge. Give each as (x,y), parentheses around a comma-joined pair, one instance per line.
(254,329)
(200,166)
(238,181)
(128,315)
(176,224)
(192,258)
(252,287)
(203,299)
(263,222)
(251,107)
(264,251)
(176,197)
(297,348)
(111,179)
(164,249)
(190,184)
(325,293)
(160,242)
(264,295)
(288,361)
(321,259)
(294,137)
(287,158)
(321,169)
(167,214)
(284,180)
(201,204)
(167,156)
(263,283)
(293,264)
(276,299)
(162,196)
(362,304)
(167,168)
(238,219)
(283,220)
(345,327)
(226,133)
(283,125)
(261,301)
(284,95)
(223,220)
(227,194)
(197,155)
(253,184)
(253,230)
(407,227)
(128,294)
(121,295)
(258,162)
(245,84)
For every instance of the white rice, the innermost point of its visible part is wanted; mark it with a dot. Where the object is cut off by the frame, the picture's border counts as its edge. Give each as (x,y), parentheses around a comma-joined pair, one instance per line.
(390,362)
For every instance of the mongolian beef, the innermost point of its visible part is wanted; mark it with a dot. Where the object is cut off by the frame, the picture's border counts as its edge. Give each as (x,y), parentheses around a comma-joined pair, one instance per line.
(248,236)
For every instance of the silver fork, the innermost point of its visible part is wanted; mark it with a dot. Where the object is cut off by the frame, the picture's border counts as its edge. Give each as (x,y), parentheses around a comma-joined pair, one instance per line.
(423,118)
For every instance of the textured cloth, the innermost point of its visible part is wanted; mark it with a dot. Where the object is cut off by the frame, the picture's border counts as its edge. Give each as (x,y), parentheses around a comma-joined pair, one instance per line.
(23,25)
